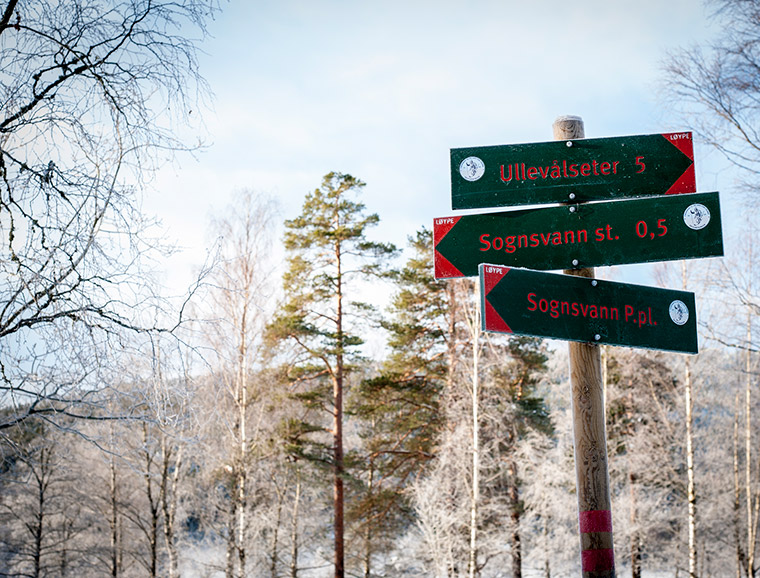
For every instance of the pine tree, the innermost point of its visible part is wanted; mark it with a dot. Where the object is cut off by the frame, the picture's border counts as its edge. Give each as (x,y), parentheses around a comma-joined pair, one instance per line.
(328,253)
(400,407)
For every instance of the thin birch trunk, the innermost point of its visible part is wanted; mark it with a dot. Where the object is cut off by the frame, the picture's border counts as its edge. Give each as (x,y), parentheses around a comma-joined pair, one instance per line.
(276,537)
(114,521)
(153,505)
(338,497)
(474,327)
(751,535)
(169,503)
(740,560)
(368,535)
(241,498)
(294,528)
(237,538)
(633,518)
(40,514)
(691,495)
(242,461)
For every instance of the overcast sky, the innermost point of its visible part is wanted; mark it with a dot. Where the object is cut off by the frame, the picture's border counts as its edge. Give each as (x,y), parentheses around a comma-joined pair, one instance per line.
(383,90)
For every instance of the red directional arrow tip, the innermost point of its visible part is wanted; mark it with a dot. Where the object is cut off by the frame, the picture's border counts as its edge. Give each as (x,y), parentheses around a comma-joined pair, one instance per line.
(443,267)
(686,183)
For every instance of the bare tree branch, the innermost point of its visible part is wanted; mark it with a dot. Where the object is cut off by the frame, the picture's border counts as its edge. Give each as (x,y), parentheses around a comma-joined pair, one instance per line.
(90,96)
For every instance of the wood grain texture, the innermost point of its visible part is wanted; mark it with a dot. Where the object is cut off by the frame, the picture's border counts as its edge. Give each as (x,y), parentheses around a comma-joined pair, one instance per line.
(590,441)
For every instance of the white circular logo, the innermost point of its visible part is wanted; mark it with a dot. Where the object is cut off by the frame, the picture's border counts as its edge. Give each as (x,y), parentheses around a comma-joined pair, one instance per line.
(472,168)
(696,216)
(679,313)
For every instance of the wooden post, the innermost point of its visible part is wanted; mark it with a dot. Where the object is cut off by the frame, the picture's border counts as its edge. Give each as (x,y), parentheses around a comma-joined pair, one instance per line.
(590,441)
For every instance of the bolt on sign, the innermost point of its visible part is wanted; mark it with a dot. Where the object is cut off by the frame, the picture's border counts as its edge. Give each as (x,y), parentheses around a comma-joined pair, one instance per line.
(660,228)
(567,307)
(573,170)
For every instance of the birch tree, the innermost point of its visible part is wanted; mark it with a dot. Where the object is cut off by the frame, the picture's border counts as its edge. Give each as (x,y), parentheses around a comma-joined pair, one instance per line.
(238,307)
(716,89)
(90,95)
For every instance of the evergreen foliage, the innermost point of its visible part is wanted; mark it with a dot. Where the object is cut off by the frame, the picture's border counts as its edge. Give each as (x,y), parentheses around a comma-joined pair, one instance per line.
(328,253)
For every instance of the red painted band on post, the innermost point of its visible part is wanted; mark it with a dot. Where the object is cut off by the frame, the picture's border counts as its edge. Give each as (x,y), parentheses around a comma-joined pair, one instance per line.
(595,521)
(597,560)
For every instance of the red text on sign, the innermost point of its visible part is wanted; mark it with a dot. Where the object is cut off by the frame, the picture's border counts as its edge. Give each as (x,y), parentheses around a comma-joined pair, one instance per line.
(521,172)
(557,308)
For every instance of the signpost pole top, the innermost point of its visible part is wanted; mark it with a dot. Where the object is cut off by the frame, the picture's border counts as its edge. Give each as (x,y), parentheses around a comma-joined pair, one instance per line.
(590,440)
(568,127)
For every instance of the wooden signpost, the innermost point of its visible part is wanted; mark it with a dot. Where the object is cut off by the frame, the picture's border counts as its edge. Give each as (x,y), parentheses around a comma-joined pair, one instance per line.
(592,479)
(669,222)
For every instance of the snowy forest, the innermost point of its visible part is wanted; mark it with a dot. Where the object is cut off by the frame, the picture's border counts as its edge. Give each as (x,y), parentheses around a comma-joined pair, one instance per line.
(283,418)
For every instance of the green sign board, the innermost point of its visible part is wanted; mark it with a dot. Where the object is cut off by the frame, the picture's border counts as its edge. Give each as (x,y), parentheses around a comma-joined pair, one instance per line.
(585,235)
(576,170)
(526,302)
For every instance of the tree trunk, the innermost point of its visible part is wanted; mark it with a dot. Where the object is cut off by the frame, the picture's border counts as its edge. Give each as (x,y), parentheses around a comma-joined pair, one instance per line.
(276,537)
(114,522)
(39,518)
(748,452)
(368,534)
(515,514)
(338,496)
(740,558)
(635,545)
(229,571)
(691,495)
(242,460)
(635,537)
(294,528)
(169,483)
(63,565)
(153,506)
(474,323)
(241,498)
